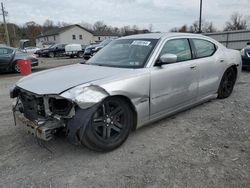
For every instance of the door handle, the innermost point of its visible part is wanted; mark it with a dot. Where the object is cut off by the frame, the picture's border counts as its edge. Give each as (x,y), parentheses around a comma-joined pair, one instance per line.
(193,67)
(222,60)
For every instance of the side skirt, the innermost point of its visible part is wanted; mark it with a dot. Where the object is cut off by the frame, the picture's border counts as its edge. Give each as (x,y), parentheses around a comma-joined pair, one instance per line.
(180,109)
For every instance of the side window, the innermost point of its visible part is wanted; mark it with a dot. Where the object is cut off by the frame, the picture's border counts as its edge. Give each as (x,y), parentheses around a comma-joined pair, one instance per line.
(179,47)
(4,51)
(9,51)
(203,48)
(1,51)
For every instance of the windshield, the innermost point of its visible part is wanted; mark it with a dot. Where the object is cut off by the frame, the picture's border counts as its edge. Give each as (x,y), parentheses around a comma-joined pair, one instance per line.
(53,45)
(105,42)
(125,53)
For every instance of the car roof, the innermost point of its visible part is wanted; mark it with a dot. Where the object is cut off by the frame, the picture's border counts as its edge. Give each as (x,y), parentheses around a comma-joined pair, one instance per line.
(8,47)
(161,35)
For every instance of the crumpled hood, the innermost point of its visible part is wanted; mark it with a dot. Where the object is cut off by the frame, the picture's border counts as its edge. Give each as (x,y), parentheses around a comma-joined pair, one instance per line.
(55,81)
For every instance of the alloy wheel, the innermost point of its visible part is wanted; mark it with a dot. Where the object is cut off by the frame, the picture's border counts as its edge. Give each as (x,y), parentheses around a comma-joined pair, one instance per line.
(109,121)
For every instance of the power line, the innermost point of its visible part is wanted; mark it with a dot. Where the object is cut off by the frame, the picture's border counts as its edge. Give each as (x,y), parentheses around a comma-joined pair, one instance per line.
(5,13)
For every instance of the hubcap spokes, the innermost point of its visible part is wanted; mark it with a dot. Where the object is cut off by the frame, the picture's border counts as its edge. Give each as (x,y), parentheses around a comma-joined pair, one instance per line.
(108,122)
(17,68)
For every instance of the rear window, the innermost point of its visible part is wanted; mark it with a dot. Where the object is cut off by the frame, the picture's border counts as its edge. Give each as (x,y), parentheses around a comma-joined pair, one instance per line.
(204,48)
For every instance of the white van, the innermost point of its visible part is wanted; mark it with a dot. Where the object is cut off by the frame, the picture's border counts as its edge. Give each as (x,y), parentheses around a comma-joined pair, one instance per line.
(73,50)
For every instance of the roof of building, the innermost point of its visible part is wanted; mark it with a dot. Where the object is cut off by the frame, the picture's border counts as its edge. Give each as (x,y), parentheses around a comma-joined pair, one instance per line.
(57,30)
(104,33)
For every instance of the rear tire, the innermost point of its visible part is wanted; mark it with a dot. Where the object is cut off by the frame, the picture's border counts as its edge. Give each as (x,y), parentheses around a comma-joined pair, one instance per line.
(109,126)
(227,84)
(51,54)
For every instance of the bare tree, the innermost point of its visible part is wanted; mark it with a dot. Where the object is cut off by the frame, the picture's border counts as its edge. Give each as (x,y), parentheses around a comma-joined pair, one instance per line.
(183,29)
(60,24)
(236,22)
(206,27)
(99,26)
(32,29)
(175,29)
(86,25)
(48,23)
(150,27)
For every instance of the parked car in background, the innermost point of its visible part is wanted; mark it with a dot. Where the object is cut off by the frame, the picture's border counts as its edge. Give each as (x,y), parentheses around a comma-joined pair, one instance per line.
(53,51)
(94,48)
(45,44)
(9,57)
(31,49)
(133,81)
(245,54)
(73,50)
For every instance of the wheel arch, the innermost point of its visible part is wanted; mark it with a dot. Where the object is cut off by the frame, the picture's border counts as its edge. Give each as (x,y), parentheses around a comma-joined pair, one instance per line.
(12,64)
(234,67)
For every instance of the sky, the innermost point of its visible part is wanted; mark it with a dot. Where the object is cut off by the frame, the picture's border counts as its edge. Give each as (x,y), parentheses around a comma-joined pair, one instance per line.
(162,14)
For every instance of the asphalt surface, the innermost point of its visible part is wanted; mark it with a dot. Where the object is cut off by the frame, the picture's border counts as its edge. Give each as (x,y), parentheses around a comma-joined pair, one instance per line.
(206,146)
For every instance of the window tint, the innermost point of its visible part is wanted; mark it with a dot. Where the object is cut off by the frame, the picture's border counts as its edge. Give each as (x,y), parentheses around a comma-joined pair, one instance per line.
(4,51)
(179,47)
(203,48)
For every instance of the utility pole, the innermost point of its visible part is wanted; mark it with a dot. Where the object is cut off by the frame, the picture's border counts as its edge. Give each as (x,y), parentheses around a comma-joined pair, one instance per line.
(200,16)
(5,13)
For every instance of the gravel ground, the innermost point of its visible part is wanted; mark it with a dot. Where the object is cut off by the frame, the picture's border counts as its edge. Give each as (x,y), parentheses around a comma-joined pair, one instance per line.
(207,146)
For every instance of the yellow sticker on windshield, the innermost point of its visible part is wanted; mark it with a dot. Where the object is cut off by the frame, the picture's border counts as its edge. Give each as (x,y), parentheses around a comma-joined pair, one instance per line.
(140,42)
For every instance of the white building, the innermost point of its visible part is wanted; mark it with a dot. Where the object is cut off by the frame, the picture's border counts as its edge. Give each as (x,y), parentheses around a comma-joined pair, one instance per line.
(75,34)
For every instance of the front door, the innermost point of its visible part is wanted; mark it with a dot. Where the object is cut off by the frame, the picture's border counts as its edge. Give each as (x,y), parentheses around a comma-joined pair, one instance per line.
(6,56)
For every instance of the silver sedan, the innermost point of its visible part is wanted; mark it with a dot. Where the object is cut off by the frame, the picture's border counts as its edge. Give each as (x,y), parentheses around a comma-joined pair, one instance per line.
(133,81)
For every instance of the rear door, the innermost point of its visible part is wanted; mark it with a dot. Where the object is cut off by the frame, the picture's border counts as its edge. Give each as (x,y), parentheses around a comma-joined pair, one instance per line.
(6,56)
(173,85)
(208,64)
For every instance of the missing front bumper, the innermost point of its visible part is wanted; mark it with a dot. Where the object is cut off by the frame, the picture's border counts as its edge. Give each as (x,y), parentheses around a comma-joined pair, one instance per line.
(42,129)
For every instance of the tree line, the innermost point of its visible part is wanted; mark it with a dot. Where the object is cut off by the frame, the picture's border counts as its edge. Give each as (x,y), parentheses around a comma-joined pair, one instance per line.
(30,30)
(236,22)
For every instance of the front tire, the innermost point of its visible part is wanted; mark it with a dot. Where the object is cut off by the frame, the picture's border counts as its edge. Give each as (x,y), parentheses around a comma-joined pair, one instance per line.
(109,126)
(227,84)
(80,54)
(16,68)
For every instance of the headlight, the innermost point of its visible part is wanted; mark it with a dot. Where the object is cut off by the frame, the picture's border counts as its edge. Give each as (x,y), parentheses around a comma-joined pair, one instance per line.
(86,96)
(242,52)
(60,106)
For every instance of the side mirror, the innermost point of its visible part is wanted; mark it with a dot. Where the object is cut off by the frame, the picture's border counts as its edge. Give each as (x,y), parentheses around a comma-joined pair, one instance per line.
(167,59)
(248,43)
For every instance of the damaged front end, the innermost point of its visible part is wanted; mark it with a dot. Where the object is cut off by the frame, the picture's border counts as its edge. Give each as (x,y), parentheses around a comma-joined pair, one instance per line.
(44,115)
